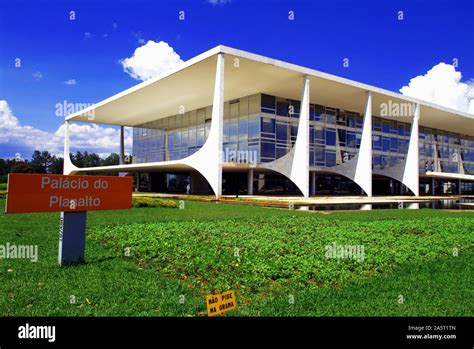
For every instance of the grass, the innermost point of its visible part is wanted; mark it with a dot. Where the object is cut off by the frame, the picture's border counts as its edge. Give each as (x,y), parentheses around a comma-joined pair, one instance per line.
(255,254)
(182,254)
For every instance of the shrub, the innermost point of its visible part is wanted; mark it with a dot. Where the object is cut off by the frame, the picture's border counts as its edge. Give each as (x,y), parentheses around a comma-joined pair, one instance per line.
(153,202)
(3,193)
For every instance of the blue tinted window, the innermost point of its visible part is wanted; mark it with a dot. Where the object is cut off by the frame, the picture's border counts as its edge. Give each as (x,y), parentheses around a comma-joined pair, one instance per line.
(296,108)
(319,155)
(342,137)
(282,108)
(280,152)
(386,144)
(351,121)
(377,142)
(351,140)
(294,131)
(331,118)
(254,127)
(330,137)
(281,132)
(330,158)
(319,133)
(268,150)
(393,143)
(311,112)
(318,112)
(401,129)
(268,125)
(268,103)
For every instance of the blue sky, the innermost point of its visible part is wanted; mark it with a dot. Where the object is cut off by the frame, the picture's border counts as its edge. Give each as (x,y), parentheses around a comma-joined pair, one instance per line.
(382,50)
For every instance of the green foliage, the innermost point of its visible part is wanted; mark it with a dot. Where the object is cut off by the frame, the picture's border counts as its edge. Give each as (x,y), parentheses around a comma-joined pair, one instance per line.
(22,167)
(44,162)
(3,186)
(151,281)
(3,193)
(252,255)
(153,202)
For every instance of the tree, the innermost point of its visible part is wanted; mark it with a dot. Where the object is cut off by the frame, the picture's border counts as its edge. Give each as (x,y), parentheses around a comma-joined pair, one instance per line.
(44,162)
(112,159)
(40,161)
(91,160)
(22,167)
(56,166)
(78,159)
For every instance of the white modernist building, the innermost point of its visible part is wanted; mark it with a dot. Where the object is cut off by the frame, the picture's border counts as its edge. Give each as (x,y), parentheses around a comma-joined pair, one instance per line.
(230,120)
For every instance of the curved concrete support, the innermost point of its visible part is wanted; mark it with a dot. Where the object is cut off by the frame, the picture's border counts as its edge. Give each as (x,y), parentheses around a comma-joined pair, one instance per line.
(363,172)
(411,171)
(68,167)
(208,159)
(407,171)
(295,164)
(359,168)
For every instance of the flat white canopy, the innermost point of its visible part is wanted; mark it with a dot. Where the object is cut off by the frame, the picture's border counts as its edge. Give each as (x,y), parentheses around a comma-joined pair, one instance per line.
(190,85)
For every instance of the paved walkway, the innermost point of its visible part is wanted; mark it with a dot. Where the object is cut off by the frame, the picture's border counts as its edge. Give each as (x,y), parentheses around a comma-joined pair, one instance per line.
(300,201)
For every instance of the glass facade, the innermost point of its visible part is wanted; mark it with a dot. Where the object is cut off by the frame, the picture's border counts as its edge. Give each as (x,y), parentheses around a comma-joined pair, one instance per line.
(450,149)
(181,135)
(390,141)
(267,127)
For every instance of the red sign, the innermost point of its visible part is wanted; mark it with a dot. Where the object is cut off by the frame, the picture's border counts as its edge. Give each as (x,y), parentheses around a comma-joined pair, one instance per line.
(60,193)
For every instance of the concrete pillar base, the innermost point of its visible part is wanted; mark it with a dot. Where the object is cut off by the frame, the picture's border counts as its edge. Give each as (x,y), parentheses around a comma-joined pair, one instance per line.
(250,182)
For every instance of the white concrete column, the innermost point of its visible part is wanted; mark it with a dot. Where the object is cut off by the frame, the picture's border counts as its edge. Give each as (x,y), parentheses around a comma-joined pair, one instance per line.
(66,143)
(68,166)
(300,166)
(250,182)
(411,174)
(313,183)
(363,171)
(122,147)
(208,159)
(295,164)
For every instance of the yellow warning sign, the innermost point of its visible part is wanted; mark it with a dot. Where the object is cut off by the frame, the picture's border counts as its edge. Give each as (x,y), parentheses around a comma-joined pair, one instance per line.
(218,304)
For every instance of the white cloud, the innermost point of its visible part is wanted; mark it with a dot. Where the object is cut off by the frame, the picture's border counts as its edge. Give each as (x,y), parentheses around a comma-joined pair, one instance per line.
(70,82)
(37,75)
(87,35)
(84,137)
(6,116)
(442,85)
(150,60)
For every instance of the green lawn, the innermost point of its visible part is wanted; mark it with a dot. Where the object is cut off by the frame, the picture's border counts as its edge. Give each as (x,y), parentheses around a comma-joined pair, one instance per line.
(274,259)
